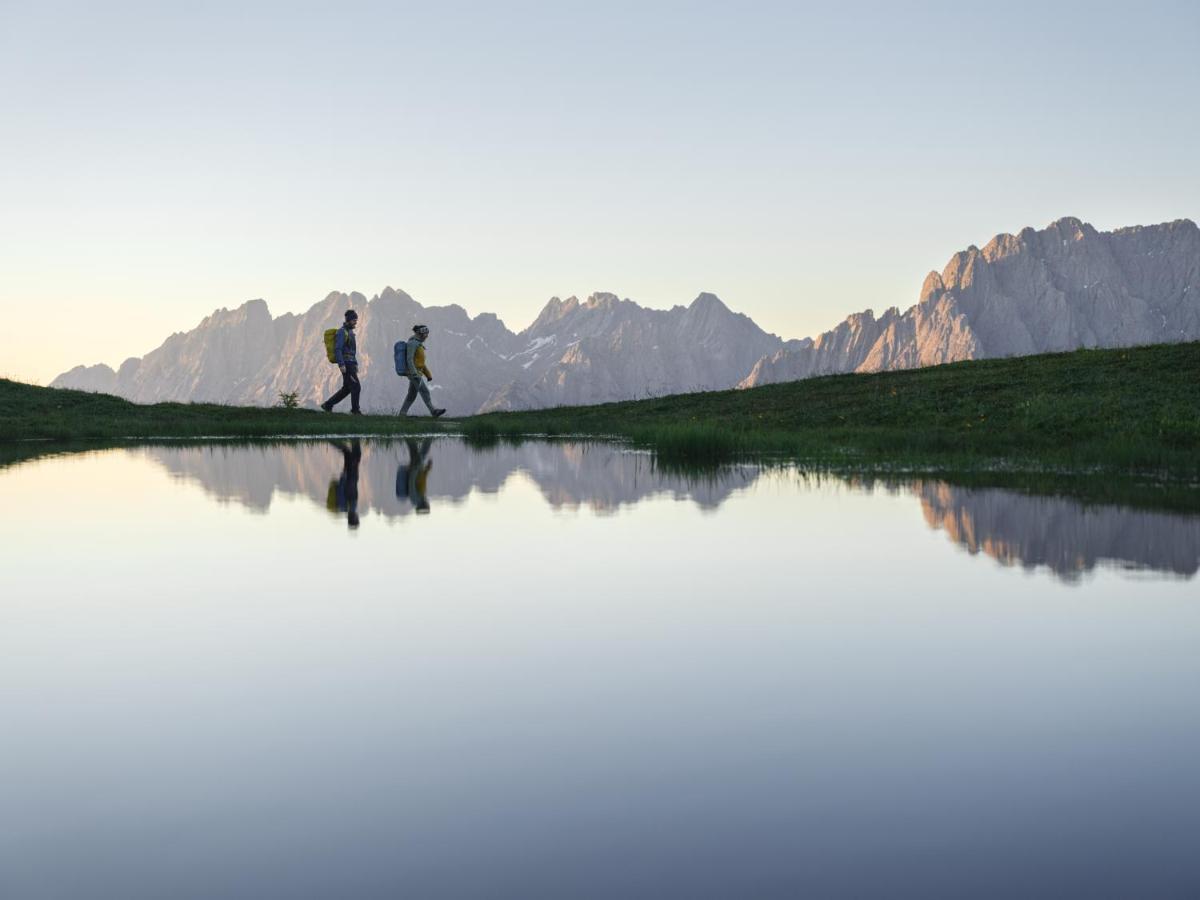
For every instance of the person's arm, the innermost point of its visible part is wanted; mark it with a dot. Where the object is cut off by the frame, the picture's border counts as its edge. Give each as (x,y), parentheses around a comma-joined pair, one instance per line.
(339,345)
(410,355)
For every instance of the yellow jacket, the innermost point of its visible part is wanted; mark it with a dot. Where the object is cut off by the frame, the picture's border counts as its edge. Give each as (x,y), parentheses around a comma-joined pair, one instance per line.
(418,361)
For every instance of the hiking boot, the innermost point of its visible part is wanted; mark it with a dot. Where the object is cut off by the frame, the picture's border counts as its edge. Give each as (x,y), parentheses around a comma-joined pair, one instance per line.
(438,412)
(356,412)
(326,407)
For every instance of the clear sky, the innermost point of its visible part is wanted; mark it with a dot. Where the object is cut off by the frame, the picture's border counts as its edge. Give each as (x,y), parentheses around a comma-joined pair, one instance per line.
(802,161)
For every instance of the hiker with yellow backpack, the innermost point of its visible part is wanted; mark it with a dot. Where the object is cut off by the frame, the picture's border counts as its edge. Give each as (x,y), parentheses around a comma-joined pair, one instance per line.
(341,348)
(410,364)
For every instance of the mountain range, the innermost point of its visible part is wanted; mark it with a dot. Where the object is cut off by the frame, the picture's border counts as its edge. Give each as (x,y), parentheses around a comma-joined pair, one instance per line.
(1060,288)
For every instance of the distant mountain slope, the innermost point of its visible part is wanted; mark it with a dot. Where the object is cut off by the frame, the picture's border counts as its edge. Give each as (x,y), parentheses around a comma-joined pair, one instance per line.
(1062,288)
(246,357)
(608,349)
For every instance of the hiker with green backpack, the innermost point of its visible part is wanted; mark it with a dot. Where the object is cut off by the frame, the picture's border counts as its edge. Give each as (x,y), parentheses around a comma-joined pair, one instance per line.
(341,348)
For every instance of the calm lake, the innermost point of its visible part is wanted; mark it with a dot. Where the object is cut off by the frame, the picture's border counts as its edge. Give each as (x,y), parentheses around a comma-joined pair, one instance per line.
(415,669)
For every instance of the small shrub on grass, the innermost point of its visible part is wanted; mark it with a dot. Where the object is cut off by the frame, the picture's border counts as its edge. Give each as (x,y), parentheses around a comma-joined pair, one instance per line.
(691,444)
(480,434)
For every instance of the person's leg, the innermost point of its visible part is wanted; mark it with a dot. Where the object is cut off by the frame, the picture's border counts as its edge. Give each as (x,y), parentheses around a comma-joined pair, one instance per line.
(342,393)
(412,395)
(424,389)
(355,390)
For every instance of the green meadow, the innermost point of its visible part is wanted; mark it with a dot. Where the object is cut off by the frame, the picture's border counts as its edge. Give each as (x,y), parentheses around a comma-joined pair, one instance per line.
(1132,410)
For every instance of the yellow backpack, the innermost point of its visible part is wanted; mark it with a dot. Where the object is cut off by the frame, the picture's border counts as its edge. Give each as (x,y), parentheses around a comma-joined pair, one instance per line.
(330,339)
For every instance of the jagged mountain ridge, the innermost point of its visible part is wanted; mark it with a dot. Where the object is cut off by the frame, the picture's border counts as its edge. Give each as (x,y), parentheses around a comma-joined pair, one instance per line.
(1064,287)
(603,348)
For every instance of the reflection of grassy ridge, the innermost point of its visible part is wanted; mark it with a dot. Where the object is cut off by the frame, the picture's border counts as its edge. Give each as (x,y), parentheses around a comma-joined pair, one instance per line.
(1131,409)
(1090,489)
(27,411)
(14,453)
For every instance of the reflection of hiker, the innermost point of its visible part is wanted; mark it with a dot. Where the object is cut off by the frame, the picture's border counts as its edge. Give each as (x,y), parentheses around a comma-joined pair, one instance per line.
(411,479)
(345,354)
(346,490)
(414,369)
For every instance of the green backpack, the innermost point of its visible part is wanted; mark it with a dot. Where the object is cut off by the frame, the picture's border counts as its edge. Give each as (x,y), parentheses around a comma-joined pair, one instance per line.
(330,339)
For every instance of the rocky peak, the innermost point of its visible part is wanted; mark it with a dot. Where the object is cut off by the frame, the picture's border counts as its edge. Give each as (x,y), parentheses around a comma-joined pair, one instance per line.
(1069,225)
(250,312)
(932,287)
(554,310)
(960,270)
(1184,227)
(601,300)
(1002,245)
(1069,229)
(705,302)
(391,295)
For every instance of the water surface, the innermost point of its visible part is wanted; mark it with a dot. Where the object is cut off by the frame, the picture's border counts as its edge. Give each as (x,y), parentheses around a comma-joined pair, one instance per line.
(416,669)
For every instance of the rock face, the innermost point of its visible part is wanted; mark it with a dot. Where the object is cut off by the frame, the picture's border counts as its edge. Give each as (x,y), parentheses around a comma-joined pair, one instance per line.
(1065,287)
(1062,288)
(592,351)
(606,349)
(98,378)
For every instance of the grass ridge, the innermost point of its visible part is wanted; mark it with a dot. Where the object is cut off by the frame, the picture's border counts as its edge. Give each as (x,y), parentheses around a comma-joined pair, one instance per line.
(1124,409)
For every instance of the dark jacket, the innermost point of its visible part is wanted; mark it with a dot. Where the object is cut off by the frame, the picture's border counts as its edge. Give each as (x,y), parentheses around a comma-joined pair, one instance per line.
(345,348)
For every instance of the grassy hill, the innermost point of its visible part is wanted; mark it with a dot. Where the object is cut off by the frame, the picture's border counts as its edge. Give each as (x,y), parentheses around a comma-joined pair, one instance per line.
(1136,408)
(27,411)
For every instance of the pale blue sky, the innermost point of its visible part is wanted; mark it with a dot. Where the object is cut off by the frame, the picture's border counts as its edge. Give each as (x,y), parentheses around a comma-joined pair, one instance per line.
(801,161)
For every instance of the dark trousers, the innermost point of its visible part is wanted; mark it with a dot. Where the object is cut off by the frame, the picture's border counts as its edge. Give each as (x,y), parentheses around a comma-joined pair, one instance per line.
(350,388)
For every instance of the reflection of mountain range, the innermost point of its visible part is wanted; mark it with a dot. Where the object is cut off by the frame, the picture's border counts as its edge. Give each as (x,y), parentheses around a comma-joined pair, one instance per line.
(396,478)
(600,477)
(1063,287)
(1069,537)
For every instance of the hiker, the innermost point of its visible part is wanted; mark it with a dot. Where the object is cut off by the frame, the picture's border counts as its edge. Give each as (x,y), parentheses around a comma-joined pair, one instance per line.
(414,368)
(345,354)
(345,493)
(411,479)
